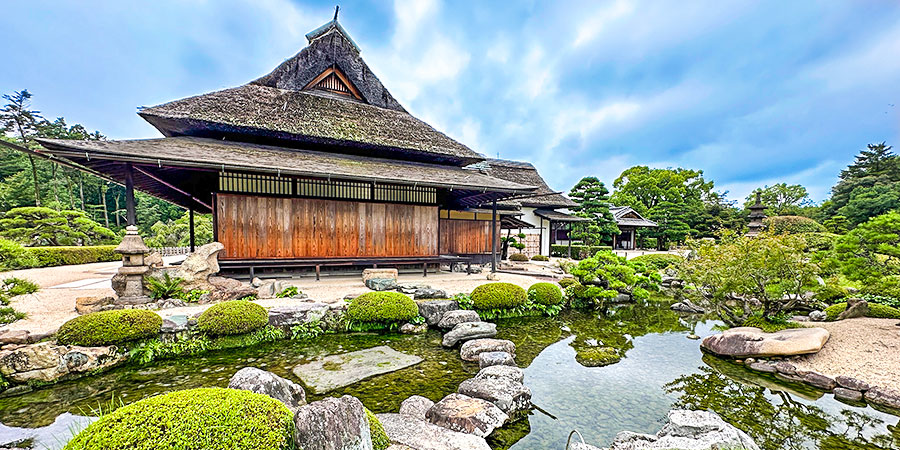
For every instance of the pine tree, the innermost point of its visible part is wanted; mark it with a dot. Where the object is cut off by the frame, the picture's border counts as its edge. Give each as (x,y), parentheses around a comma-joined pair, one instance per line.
(593,203)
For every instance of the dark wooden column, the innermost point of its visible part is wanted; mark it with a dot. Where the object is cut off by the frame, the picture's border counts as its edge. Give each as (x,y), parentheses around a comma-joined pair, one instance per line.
(130,215)
(569,235)
(191,227)
(494,236)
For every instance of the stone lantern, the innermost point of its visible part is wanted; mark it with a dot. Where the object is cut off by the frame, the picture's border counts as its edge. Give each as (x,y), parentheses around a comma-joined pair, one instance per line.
(757,215)
(129,281)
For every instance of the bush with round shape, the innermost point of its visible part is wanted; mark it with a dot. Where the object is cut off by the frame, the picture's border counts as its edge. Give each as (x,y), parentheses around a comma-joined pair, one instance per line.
(382,307)
(193,419)
(498,296)
(232,317)
(875,310)
(792,225)
(658,261)
(540,258)
(545,293)
(380,440)
(566,282)
(518,257)
(109,327)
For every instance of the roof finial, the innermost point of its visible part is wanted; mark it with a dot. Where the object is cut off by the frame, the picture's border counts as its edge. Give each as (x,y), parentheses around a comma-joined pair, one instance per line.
(337,8)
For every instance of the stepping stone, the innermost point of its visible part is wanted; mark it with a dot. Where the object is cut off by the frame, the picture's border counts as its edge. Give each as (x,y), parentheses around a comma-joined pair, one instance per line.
(467,415)
(433,310)
(451,319)
(468,331)
(416,406)
(506,394)
(337,371)
(422,435)
(488,359)
(471,349)
(509,372)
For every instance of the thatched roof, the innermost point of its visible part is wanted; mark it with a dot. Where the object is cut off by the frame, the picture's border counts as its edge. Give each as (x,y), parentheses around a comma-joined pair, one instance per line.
(286,108)
(627,216)
(525,173)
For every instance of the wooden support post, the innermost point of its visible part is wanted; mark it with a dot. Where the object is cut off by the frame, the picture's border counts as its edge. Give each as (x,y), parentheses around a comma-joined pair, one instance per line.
(494,236)
(130,215)
(252,273)
(318,269)
(191,229)
(424,269)
(569,235)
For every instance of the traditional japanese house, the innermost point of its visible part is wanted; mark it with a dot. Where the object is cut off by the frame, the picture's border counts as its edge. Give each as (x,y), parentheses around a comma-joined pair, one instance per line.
(314,164)
(628,220)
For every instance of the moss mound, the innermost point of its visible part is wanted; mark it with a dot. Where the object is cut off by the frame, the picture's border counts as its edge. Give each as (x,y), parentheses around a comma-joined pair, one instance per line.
(566,282)
(234,317)
(207,419)
(597,356)
(109,327)
(380,440)
(540,258)
(498,296)
(658,261)
(382,307)
(545,293)
(520,257)
(875,310)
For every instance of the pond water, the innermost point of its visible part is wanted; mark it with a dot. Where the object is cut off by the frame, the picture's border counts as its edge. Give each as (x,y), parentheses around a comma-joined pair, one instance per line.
(660,369)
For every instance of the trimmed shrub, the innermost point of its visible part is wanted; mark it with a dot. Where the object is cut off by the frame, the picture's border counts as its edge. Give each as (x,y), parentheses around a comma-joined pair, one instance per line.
(63,256)
(14,256)
(578,251)
(232,317)
(792,225)
(382,307)
(109,327)
(566,282)
(875,310)
(380,440)
(540,258)
(498,296)
(658,261)
(545,293)
(193,419)
(519,257)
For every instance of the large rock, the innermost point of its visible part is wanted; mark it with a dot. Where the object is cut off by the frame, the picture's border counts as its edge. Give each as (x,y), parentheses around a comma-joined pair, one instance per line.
(267,383)
(46,361)
(856,307)
(745,342)
(466,414)
(688,430)
(332,424)
(488,359)
(425,293)
(226,294)
(87,305)
(337,371)
(421,435)
(433,310)
(468,331)
(198,266)
(286,316)
(416,406)
(884,397)
(852,383)
(508,395)
(451,319)
(509,372)
(381,284)
(470,350)
(388,274)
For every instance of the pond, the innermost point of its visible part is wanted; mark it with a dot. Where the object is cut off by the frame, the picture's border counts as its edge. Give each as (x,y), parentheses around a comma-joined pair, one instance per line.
(660,369)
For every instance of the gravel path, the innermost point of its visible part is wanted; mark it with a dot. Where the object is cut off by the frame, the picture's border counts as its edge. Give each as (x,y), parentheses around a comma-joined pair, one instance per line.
(864,348)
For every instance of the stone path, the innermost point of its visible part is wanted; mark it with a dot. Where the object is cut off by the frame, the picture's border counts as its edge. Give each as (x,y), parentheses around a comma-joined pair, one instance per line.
(336,371)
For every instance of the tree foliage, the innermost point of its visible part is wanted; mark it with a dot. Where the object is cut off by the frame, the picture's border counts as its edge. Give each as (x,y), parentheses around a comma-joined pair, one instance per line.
(593,203)
(177,233)
(605,275)
(40,226)
(781,199)
(868,187)
(871,252)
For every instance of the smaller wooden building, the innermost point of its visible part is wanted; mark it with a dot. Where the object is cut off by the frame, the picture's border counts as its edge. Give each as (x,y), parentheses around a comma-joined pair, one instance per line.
(628,220)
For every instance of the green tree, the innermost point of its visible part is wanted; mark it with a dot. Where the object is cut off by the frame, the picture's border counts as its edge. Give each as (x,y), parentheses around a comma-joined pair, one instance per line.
(871,251)
(837,224)
(605,275)
(868,187)
(669,216)
(18,118)
(593,203)
(177,233)
(781,199)
(42,226)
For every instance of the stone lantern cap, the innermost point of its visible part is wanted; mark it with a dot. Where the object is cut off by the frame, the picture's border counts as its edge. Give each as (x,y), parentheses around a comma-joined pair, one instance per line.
(132,244)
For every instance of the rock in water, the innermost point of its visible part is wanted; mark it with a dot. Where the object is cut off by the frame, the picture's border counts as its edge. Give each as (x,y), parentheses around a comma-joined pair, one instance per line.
(416,406)
(451,319)
(688,430)
(468,331)
(433,310)
(471,349)
(466,415)
(46,361)
(488,359)
(508,395)
(745,342)
(883,396)
(337,371)
(848,395)
(332,424)
(422,435)
(509,372)
(285,316)
(267,383)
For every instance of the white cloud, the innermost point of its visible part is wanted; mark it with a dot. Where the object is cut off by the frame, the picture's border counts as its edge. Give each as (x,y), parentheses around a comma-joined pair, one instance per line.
(599,20)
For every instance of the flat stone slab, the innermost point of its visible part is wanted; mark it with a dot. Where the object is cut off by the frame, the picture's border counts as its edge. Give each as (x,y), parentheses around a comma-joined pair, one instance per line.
(745,342)
(336,371)
(422,435)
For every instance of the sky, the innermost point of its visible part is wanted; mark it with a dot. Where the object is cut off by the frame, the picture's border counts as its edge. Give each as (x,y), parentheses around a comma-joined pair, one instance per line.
(751,92)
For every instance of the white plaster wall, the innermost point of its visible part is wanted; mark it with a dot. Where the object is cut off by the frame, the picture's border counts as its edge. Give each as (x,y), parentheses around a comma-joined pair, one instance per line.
(529,216)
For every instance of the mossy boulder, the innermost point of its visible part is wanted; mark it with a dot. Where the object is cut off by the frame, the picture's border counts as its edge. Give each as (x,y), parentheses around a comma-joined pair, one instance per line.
(232,317)
(206,418)
(545,293)
(380,440)
(382,307)
(498,296)
(597,356)
(109,327)
(875,310)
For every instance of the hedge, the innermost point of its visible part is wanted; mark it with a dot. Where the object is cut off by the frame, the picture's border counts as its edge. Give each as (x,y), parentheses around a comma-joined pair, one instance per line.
(382,307)
(545,293)
(193,419)
(498,296)
(232,317)
(875,310)
(578,251)
(63,256)
(380,440)
(109,327)
(658,261)
(14,256)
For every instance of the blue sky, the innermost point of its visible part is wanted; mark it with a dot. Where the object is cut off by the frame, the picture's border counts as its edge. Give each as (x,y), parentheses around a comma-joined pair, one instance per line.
(753,93)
